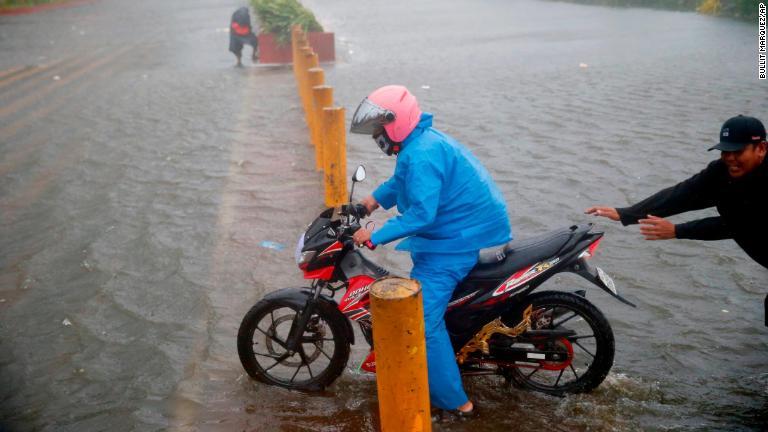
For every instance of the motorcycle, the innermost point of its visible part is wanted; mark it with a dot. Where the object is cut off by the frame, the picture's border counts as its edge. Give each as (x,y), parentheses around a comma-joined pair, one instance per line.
(549,341)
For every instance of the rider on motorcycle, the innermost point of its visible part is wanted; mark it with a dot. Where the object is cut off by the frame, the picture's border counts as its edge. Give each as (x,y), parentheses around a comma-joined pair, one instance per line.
(450,208)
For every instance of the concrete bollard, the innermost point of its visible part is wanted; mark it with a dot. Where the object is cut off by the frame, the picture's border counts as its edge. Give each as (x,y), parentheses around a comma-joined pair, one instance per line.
(401,356)
(313,61)
(305,52)
(315,77)
(323,97)
(336,152)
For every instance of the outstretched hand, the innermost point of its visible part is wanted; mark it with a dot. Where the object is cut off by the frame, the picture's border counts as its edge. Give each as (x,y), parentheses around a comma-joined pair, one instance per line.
(656,228)
(602,211)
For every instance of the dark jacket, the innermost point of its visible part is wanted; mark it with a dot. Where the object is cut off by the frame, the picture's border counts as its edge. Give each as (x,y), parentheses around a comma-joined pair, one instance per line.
(241,22)
(741,203)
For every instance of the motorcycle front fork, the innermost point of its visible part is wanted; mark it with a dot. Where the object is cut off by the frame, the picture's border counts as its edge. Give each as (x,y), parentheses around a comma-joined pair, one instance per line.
(302,318)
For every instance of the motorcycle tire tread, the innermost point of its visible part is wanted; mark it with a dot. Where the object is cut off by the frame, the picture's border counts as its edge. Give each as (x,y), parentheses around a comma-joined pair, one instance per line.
(332,316)
(604,359)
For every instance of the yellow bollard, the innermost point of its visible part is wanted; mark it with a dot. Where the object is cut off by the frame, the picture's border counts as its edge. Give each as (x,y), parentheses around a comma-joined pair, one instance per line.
(301,72)
(306,98)
(336,147)
(316,77)
(305,55)
(401,356)
(323,97)
(300,78)
(306,89)
(312,59)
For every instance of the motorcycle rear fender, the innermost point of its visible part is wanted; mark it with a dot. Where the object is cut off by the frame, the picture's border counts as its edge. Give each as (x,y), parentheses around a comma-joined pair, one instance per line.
(298,297)
(589,272)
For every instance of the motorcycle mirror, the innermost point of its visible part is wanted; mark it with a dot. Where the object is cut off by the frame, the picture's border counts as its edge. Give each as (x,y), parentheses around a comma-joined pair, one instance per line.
(359,174)
(357,177)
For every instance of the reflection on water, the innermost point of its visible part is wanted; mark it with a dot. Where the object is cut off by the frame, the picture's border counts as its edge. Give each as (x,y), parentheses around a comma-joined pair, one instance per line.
(136,192)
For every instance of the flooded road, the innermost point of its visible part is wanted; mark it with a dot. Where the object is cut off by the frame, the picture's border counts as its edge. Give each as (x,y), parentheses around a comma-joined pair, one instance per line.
(140,174)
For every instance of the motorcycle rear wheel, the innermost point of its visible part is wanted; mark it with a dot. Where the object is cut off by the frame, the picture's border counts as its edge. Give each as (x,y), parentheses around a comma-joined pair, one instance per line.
(319,359)
(591,347)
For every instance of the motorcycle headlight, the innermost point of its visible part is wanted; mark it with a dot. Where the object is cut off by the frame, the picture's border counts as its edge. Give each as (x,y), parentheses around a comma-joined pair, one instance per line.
(305,258)
(299,247)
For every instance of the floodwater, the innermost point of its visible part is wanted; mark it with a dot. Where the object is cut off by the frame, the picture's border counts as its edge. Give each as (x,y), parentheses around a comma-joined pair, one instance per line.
(141,172)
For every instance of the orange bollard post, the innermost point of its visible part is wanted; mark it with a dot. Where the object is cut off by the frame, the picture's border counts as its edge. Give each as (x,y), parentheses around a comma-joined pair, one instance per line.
(311,58)
(316,77)
(302,38)
(336,146)
(323,97)
(401,355)
(306,57)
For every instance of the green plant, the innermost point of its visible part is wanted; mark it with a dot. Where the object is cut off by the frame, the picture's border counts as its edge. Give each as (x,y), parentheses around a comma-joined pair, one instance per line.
(278,16)
(18,3)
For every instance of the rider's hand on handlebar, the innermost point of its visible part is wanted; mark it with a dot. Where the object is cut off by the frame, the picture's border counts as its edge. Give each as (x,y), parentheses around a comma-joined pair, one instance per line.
(361,236)
(360,210)
(370,203)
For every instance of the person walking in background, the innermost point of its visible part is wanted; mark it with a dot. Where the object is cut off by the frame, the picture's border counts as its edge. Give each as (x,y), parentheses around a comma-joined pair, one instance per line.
(450,209)
(735,184)
(241,33)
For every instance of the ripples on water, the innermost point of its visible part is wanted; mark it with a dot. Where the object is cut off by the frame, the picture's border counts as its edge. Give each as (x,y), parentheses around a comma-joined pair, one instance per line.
(505,78)
(136,208)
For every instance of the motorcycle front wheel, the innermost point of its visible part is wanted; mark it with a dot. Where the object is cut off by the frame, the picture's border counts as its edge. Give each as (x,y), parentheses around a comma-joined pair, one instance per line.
(319,358)
(589,348)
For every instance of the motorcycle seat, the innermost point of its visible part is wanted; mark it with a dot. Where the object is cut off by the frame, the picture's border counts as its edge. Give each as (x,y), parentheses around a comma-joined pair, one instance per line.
(503,260)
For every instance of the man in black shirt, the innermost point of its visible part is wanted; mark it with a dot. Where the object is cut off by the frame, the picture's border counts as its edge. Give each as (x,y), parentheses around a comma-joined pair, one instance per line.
(736,185)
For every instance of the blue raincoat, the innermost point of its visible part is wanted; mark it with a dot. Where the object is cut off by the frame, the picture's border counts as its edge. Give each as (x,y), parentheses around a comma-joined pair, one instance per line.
(447,200)
(449,209)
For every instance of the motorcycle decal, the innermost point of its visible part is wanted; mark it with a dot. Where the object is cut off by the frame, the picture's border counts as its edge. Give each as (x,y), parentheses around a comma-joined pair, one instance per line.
(356,295)
(357,314)
(335,247)
(524,276)
(462,300)
(369,364)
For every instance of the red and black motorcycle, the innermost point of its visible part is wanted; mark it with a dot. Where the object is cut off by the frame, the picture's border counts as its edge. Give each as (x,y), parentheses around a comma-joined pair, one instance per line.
(550,341)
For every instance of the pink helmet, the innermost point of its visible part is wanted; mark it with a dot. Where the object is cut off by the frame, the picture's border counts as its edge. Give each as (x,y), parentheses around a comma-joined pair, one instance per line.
(392,107)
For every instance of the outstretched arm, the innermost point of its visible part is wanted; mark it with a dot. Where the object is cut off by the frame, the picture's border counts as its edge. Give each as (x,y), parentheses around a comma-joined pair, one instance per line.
(603,211)
(694,193)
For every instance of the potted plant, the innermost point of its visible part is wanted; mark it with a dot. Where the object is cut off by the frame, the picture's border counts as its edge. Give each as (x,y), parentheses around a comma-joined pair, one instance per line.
(276,18)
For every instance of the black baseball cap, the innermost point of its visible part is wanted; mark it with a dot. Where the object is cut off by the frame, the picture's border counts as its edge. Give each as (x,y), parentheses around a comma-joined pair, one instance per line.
(739,131)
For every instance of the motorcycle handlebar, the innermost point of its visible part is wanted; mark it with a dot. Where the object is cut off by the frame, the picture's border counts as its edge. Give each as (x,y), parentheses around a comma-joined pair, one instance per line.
(357,210)
(353,229)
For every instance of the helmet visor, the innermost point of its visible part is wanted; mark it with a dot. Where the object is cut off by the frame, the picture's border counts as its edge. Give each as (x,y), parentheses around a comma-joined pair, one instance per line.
(370,118)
